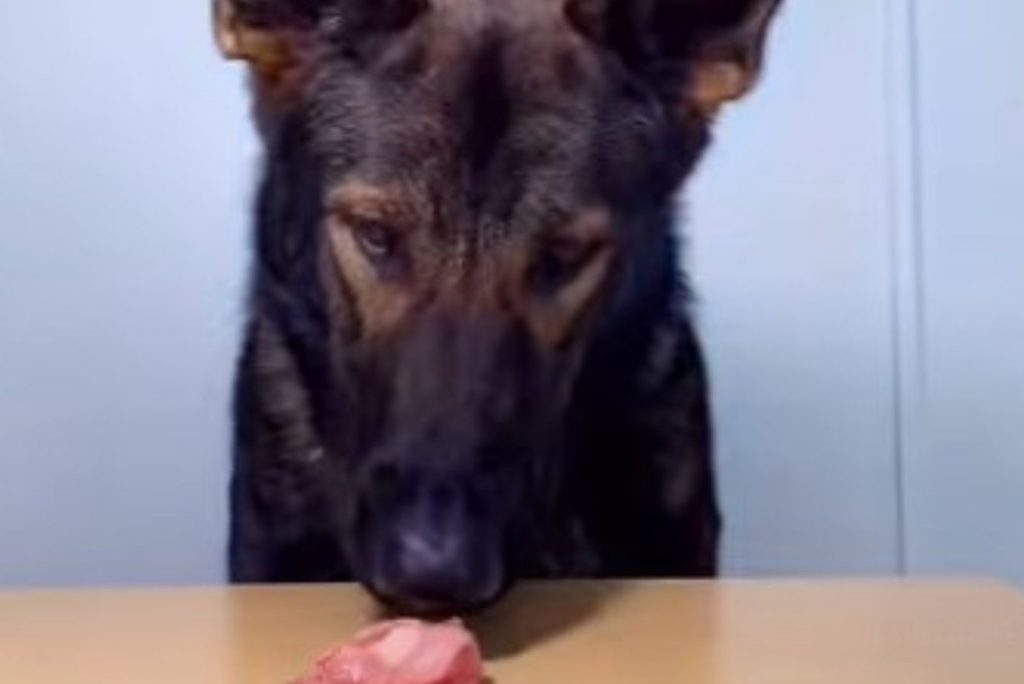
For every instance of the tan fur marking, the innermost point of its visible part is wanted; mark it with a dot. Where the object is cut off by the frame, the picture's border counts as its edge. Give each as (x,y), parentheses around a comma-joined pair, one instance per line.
(266,49)
(381,304)
(553,319)
(716,83)
(729,66)
(277,56)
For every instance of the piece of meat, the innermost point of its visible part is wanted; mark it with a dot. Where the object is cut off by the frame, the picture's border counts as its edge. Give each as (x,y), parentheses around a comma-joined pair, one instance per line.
(402,652)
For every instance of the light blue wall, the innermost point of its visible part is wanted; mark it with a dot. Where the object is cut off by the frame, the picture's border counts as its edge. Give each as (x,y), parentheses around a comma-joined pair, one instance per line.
(124,165)
(965,490)
(790,231)
(857,248)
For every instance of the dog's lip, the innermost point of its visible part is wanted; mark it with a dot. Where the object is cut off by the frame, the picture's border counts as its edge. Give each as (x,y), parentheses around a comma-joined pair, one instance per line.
(398,606)
(418,608)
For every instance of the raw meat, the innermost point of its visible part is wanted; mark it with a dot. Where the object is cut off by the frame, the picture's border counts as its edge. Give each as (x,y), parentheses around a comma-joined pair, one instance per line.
(402,652)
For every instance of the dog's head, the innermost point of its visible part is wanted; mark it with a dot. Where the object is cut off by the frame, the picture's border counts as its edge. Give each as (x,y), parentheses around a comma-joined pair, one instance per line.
(484,183)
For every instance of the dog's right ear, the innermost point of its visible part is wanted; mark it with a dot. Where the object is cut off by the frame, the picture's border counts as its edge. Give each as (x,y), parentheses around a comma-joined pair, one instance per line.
(272,34)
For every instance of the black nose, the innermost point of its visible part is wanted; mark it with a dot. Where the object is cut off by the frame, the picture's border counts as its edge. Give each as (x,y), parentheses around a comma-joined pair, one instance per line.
(435,582)
(437,564)
(429,567)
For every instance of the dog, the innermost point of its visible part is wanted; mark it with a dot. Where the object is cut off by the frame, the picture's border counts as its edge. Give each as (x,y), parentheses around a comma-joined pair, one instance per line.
(468,356)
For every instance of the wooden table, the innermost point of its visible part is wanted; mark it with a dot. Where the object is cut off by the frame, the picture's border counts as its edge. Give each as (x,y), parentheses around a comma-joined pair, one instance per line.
(577,633)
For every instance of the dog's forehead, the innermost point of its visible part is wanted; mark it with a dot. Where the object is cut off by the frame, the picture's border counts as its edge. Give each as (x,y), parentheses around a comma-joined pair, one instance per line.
(474,14)
(475,98)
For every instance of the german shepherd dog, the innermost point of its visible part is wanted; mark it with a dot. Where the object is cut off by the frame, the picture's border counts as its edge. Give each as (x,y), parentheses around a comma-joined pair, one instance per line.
(468,355)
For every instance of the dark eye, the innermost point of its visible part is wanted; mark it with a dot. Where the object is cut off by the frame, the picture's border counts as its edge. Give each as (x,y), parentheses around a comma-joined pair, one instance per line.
(377,240)
(561,260)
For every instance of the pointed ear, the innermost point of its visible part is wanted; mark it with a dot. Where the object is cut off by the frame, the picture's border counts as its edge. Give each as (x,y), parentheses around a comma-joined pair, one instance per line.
(273,37)
(261,33)
(729,53)
(709,52)
(277,37)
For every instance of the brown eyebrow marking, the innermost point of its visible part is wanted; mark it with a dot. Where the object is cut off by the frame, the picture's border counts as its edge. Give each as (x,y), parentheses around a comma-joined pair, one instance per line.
(380,305)
(362,200)
(590,225)
(553,318)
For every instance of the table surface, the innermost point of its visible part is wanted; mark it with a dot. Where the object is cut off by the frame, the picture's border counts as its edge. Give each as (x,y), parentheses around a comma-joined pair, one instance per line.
(830,632)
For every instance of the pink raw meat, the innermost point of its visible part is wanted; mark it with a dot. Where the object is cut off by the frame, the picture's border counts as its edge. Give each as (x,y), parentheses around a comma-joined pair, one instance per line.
(403,652)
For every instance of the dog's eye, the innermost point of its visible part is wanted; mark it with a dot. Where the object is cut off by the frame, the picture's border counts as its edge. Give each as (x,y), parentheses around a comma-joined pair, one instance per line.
(560,260)
(377,240)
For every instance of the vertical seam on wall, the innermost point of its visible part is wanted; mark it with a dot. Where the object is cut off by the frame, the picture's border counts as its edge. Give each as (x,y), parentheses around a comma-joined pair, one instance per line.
(898,148)
(917,197)
(907,293)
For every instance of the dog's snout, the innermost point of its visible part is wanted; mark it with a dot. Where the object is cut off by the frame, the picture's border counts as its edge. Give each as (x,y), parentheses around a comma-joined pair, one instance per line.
(430,567)
(431,553)
(428,553)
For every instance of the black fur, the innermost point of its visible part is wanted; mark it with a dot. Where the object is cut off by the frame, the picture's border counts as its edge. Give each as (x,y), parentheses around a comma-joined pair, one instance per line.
(602,443)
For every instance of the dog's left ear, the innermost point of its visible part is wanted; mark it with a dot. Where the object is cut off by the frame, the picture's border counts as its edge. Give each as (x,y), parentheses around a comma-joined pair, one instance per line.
(711,50)
(272,37)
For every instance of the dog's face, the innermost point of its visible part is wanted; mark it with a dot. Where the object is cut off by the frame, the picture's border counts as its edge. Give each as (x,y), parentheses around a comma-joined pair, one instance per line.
(490,179)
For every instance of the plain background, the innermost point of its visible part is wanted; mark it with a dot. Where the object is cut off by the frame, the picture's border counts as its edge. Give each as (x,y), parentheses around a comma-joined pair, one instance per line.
(856,236)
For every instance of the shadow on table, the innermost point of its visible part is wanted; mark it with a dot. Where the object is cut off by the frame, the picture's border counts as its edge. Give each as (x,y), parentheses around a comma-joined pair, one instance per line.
(535,613)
